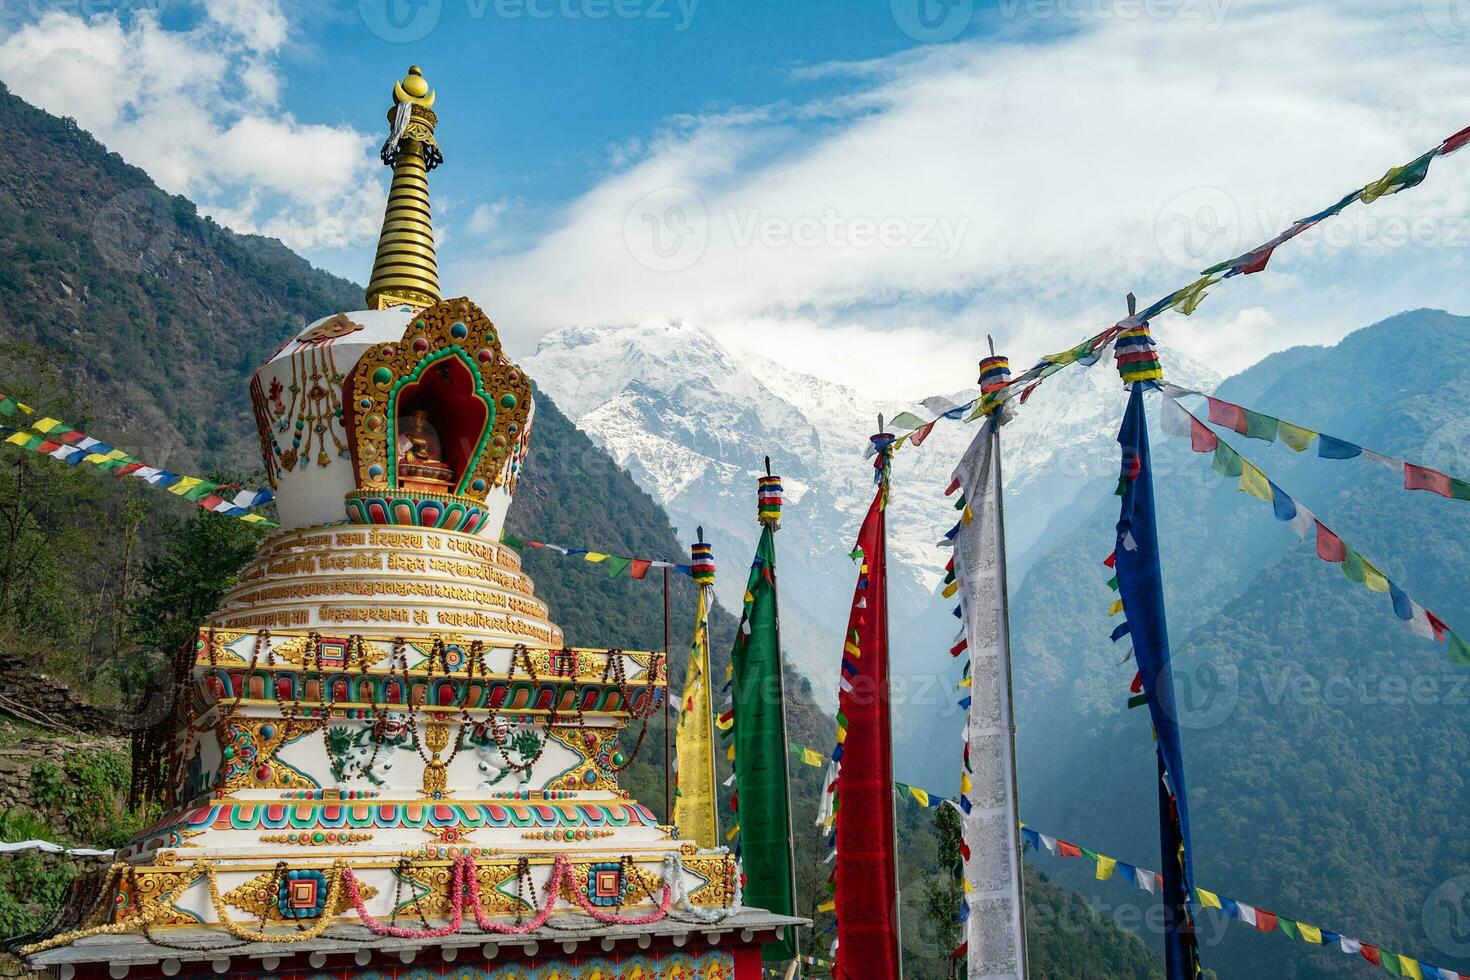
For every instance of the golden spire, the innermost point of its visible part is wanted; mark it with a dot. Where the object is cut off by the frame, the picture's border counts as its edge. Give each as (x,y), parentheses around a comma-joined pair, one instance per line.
(405,270)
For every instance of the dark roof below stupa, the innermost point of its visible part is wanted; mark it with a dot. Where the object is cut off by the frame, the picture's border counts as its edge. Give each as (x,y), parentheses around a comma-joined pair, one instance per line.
(584,934)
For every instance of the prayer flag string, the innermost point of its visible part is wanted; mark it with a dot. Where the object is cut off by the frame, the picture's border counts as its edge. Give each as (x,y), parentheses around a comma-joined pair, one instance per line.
(1268,428)
(1184,300)
(616,565)
(54,438)
(1180,421)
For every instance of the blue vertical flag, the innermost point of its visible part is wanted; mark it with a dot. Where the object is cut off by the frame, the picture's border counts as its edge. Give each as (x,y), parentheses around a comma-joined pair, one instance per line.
(1141,587)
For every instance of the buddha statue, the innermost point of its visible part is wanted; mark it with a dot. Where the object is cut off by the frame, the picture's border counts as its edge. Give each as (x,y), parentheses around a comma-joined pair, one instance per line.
(421,463)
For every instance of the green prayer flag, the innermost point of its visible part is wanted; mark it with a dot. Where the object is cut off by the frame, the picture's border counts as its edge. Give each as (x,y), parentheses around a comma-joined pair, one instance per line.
(855,554)
(8,406)
(1287,926)
(510,539)
(906,420)
(1353,568)
(1258,426)
(1459,489)
(1390,962)
(760,752)
(617,565)
(1227,461)
(201,491)
(1459,650)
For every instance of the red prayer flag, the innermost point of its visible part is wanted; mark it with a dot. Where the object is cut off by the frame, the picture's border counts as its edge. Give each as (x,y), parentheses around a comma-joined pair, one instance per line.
(639,567)
(918,436)
(1371,954)
(1455,142)
(1201,439)
(865,877)
(1329,545)
(1068,850)
(1423,478)
(1436,624)
(1256,261)
(1112,560)
(1224,413)
(1265,921)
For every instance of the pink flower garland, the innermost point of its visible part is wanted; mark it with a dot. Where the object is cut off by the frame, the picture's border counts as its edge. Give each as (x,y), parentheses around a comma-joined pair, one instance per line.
(465,883)
(456,899)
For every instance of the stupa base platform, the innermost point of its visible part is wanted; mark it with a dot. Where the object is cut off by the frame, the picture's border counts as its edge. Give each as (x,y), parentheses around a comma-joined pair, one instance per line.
(574,948)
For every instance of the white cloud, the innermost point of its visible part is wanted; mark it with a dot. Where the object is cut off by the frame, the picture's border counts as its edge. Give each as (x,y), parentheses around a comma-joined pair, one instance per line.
(486,218)
(1018,188)
(198,110)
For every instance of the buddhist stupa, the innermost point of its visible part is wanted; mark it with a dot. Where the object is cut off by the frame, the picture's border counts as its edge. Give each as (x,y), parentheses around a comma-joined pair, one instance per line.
(382,760)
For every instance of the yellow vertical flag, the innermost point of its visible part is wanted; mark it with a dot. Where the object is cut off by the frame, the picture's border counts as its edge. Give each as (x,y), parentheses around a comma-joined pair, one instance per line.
(694,741)
(1409,968)
(1105,867)
(1310,934)
(1208,900)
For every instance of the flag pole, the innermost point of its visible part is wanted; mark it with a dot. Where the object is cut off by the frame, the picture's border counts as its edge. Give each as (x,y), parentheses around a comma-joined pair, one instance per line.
(1005,636)
(668,714)
(887,693)
(786,765)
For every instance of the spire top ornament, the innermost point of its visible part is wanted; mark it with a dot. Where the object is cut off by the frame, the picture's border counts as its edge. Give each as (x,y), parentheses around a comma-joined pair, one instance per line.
(406,271)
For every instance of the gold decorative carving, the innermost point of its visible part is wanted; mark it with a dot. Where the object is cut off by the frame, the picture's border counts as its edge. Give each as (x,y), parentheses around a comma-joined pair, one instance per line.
(260,896)
(430,337)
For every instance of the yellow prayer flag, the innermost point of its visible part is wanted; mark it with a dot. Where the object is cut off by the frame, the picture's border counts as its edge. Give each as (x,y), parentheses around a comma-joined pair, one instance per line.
(19,439)
(595,556)
(733,831)
(1409,968)
(694,807)
(827,906)
(951,589)
(969,515)
(969,888)
(1373,578)
(967,682)
(1294,435)
(1116,607)
(1253,481)
(1105,867)
(921,795)
(725,724)
(1192,295)
(812,758)
(964,782)
(1310,934)
(47,424)
(841,735)
(185,484)
(1207,900)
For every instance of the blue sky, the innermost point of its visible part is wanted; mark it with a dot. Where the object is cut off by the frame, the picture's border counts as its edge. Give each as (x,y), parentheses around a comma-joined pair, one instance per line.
(825,182)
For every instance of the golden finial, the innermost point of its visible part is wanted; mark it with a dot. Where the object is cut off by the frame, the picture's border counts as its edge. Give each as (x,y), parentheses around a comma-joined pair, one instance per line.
(405,270)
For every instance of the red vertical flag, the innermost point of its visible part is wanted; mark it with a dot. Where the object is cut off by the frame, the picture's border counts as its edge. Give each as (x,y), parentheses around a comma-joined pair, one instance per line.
(866,879)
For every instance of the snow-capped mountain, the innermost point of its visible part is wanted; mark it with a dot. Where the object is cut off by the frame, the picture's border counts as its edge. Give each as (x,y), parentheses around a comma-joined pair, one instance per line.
(692,420)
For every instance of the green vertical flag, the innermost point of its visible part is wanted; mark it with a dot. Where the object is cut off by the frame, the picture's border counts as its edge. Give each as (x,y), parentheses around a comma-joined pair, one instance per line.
(760,750)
